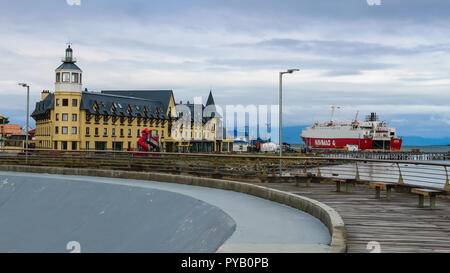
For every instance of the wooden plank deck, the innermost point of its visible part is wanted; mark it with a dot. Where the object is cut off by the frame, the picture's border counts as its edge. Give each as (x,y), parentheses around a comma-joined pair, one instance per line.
(398,225)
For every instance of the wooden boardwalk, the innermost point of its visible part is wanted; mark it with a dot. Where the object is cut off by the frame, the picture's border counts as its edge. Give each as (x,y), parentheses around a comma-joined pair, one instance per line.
(398,225)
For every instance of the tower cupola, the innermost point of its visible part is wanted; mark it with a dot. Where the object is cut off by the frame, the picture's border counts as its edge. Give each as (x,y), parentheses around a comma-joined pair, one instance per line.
(68,76)
(69,55)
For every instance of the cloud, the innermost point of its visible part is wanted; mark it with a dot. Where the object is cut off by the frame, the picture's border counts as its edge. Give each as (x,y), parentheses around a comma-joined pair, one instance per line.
(393,58)
(73,2)
(345,48)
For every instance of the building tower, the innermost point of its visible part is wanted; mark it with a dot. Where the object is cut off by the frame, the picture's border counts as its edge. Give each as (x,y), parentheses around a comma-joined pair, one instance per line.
(68,74)
(67,100)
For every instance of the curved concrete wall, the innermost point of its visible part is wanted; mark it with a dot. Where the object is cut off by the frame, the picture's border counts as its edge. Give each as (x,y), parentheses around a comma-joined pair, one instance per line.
(324,213)
(44,214)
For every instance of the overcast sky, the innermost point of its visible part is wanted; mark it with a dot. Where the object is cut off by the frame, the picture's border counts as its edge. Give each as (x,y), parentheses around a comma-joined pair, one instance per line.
(393,58)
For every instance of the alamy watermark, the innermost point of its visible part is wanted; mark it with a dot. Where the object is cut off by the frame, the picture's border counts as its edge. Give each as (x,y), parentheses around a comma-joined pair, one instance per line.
(214,122)
(373,2)
(374,247)
(73,2)
(73,247)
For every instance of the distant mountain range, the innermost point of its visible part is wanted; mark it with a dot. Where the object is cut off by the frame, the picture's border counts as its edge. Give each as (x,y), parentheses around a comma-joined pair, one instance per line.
(291,135)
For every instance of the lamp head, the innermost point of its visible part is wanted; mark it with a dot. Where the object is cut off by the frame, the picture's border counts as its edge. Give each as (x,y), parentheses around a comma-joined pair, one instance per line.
(23,84)
(292,70)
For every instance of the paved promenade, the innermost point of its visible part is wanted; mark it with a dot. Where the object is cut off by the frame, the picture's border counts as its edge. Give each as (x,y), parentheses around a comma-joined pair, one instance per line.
(43,212)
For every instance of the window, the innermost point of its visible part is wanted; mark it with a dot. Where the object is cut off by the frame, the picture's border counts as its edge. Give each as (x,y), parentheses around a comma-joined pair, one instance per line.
(74,145)
(162,134)
(74,102)
(114,131)
(58,77)
(75,77)
(74,117)
(65,130)
(66,76)
(87,131)
(65,102)
(121,132)
(74,130)
(65,117)
(55,145)
(56,130)
(57,117)
(87,145)
(117,146)
(64,145)
(57,102)
(105,131)
(138,132)
(96,131)
(129,132)
(100,145)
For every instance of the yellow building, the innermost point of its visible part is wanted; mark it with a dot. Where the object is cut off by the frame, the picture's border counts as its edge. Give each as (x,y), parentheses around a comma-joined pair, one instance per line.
(72,119)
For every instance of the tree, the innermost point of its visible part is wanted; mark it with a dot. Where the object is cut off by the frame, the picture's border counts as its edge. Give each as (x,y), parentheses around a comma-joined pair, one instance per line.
(4,119)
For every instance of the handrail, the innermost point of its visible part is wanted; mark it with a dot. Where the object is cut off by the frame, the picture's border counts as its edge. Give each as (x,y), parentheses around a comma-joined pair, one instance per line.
(246,167)
(234,156)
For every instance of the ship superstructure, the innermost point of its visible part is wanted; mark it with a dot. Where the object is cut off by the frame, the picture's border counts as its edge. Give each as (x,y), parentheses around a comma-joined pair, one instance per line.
(353,135)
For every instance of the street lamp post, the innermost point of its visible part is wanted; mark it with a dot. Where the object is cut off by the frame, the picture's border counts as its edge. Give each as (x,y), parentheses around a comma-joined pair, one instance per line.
(289,71)
(28,114)
(3,125)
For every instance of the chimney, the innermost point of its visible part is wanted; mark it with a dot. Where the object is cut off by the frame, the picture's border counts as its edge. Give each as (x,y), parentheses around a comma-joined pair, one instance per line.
(44,94)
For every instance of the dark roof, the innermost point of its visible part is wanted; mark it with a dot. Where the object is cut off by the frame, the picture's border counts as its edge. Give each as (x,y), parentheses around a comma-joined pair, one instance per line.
(162,96)
(68,65)
(121,106)
(210,100)
(209,104)
(44,105)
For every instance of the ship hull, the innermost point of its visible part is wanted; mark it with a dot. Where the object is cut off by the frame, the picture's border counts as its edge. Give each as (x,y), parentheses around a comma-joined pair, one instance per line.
(362,144)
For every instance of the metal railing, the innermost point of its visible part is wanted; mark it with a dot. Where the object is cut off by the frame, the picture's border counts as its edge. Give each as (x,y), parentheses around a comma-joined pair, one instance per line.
(243,167)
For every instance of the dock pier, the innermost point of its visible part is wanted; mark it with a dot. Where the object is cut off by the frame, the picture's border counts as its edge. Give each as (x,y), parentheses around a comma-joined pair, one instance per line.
(388,155)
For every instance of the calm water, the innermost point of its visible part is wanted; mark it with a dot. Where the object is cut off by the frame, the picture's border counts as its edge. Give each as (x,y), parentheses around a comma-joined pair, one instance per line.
(413,174)
(428,149)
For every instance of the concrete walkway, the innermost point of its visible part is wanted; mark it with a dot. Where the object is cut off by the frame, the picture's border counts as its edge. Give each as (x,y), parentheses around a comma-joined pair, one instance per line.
(261,225)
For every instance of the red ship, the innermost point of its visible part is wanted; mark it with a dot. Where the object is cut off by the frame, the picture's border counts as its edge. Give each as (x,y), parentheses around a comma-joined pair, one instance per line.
(352,135)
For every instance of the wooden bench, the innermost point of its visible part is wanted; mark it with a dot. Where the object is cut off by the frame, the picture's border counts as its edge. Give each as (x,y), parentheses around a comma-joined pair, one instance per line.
(380,185)
(426,192)
(339,181)
(307,176)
